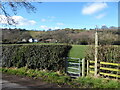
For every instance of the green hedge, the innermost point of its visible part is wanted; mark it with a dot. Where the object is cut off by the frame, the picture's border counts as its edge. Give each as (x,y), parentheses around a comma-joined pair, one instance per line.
(49,57)
(106,53)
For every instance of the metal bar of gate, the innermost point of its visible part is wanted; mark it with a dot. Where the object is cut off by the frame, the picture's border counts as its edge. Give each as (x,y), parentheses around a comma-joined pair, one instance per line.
(79,68)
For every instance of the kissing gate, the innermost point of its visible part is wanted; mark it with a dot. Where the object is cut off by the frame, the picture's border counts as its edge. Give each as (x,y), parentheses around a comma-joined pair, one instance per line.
(75,67)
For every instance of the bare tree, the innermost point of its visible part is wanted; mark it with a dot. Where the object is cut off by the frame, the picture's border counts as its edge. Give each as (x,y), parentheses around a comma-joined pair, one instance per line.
(14,7)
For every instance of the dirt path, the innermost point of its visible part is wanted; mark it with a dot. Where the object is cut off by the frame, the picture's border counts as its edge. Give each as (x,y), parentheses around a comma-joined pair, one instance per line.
(14,81)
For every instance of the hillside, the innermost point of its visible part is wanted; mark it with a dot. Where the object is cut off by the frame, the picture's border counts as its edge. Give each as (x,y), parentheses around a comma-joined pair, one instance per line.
(71,36)
(35,33)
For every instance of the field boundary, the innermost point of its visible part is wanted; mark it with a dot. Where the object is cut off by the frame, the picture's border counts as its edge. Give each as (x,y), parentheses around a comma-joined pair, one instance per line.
(105,69)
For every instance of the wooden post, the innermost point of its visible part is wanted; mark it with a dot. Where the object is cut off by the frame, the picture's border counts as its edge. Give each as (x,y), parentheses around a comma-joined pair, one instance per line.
(96,51)
(83,67)
(87,67)
(118,72)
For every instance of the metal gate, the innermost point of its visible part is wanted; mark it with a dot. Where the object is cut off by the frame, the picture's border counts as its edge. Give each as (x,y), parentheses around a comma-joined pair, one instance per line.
(74,66)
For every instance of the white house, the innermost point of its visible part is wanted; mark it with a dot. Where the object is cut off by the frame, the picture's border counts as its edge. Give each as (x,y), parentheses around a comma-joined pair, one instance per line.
(31,40)
(24,40)
(35,40)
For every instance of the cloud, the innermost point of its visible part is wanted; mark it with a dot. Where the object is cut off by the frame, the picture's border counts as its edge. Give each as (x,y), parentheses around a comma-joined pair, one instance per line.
(3,19)
(44,27)
(43,20)
(32,22)
(60,23)
(54,28)
(51,17)
(100,16)
(23,21)
(93,8)
(47,28)
(18,19)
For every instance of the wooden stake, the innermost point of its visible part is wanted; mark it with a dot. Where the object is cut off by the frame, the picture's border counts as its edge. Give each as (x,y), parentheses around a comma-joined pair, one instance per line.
(96,51)
(87,67)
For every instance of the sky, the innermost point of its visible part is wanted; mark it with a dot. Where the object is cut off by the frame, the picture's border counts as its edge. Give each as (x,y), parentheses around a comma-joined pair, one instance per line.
(60,15)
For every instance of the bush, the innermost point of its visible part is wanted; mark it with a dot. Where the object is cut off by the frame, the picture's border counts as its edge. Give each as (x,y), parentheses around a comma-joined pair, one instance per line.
(49,57)
(106,53)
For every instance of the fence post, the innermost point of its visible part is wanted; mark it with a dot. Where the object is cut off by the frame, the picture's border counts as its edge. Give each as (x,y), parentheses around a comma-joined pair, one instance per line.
(96,52)
(118,72)
(83,67)
(87,67)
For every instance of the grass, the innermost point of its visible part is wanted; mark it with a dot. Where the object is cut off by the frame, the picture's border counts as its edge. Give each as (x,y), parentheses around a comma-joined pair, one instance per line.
(48,76)
(62,79)
(78,51)
(98,82)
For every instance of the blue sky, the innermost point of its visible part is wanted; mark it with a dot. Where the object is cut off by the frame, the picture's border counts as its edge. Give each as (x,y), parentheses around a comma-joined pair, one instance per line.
(58,15)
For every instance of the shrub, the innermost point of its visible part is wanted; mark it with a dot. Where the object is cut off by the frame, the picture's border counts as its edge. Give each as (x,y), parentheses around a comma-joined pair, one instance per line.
(106,53)
(49,57)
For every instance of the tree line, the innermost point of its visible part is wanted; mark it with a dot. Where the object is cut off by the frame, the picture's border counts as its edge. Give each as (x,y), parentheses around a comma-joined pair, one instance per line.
(67,35)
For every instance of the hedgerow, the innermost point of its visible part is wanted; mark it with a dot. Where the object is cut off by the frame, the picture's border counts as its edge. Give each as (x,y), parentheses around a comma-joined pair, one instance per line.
(106,53)
(49,57)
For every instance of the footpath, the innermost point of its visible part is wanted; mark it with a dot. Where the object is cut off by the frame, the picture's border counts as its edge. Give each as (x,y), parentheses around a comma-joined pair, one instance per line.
(14,82)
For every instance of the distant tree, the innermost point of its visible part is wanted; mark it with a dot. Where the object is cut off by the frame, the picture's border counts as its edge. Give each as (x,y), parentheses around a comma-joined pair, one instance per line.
(112,27)
(25,35)
(49,29)
(104,27)
(24,29)
(61,36)
(107,38)
(67,29)
(14,35)
(91,29)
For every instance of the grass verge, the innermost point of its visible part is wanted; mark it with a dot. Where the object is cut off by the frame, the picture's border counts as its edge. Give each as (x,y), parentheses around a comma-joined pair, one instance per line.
(62,79)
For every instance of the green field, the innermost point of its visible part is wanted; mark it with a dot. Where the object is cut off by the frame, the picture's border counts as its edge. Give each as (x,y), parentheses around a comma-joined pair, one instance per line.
(78,51)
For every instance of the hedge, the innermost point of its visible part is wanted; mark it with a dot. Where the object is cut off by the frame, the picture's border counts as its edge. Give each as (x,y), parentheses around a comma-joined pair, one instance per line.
(106,53)
(49,57)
